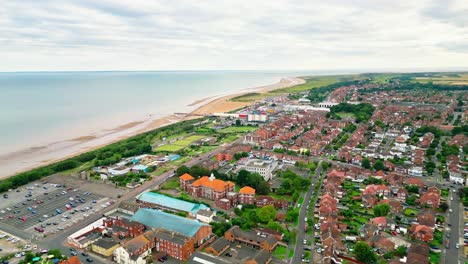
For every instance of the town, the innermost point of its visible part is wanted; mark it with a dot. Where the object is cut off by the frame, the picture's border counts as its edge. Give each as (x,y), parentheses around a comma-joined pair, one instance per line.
(369,169)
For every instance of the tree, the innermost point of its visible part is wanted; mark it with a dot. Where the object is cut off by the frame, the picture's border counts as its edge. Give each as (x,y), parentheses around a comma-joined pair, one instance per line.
(238,122)
(364,253)
(400,251)
(379,165)
(292,215)
(381,210)
(266,213)
(182,170)
(263,188)
(443,206)
(412,188)
(365,163)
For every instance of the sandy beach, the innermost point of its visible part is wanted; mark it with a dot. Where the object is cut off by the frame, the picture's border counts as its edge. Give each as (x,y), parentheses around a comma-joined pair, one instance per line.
(33,157)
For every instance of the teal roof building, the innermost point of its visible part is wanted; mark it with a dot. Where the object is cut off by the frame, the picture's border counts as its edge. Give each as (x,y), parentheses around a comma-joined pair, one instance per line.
(173,204)
(174,223)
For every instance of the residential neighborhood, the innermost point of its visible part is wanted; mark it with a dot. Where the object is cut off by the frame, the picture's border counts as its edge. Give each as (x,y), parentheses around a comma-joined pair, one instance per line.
(373,172)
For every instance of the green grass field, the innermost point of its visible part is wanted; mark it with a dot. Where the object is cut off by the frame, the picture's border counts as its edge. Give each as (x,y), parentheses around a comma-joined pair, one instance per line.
(238,129)
(311,82)
(461,79)
(343,115)
(280,252)
(179,144)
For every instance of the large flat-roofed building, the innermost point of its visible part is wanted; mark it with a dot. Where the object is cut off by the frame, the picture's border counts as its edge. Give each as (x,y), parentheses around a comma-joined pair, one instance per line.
(173,223)
(160,201)
(262,167)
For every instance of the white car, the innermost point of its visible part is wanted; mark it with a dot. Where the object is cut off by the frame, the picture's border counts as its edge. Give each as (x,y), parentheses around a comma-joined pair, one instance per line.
(457,245)
(319,250)
(451,199)
(2,235)
(450,210)
(60,228)
(18,255)
(2,211)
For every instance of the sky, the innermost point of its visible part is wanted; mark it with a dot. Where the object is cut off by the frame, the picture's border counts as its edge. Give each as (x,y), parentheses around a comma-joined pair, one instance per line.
(61,35)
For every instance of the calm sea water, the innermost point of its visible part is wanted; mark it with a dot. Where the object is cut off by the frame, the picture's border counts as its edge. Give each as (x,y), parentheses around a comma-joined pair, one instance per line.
(46,107)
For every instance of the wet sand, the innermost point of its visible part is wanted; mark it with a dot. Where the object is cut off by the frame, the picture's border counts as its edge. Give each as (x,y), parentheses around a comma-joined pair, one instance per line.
(37,156)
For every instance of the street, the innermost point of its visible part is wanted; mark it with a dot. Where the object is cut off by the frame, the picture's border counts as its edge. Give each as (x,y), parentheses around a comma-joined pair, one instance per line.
(299,247)
(455,218)
(58,241)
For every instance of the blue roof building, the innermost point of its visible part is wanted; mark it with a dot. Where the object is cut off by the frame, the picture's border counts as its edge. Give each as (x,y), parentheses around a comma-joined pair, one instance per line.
(165,202)
(174,223)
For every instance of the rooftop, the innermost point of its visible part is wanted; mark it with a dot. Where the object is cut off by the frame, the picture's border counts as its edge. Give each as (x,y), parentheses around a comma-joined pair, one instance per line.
(169,202)
(157,219)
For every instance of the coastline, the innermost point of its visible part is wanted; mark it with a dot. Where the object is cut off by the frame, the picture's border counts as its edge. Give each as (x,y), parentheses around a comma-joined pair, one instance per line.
(33,157)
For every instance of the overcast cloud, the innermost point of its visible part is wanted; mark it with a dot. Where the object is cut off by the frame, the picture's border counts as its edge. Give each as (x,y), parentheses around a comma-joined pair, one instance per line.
(221,34)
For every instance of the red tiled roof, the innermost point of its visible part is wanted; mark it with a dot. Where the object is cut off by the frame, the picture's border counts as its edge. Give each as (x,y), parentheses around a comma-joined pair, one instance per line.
(247,190)
(186,177)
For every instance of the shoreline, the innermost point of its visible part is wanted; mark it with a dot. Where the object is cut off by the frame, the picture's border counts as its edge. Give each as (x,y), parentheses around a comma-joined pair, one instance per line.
(26,159)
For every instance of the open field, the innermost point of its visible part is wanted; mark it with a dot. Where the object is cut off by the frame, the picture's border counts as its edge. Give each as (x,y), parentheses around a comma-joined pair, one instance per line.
(450,79)
(179,144)
(238,129)
(311,82)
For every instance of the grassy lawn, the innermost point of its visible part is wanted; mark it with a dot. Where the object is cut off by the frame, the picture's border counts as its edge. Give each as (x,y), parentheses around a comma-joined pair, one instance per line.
(171,184)
(434,257)
(229,138)
(342,115)
(291,253)
(169,148)
(179,144)
(444,192)
(238,129)
(410,212)
(280,252)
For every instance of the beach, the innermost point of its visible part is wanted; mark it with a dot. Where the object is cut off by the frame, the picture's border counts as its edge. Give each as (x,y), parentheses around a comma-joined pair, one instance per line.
(34,157)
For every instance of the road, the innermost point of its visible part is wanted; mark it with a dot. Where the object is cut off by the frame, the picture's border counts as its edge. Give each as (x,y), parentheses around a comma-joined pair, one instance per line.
(58,241)
(299,247)
(455,218)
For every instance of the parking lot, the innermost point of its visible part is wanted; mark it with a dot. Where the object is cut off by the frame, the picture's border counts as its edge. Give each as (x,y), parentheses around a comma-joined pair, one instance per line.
(33,208)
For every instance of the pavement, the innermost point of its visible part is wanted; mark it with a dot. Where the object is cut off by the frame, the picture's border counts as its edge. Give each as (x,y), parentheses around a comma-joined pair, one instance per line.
(299,247)
(455,218)
(59,240)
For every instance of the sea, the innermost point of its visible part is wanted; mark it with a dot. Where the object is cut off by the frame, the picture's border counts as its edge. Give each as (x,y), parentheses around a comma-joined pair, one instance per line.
(40,108)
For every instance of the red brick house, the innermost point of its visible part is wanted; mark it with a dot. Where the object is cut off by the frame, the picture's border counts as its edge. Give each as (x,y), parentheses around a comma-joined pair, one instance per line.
(422,232)
(123,227)
(246,195)
(430,199)
(264,200)
(402,194)
(427,217)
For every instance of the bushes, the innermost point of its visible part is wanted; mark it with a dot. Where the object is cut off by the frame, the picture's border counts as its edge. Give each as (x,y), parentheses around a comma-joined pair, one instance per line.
(107,155)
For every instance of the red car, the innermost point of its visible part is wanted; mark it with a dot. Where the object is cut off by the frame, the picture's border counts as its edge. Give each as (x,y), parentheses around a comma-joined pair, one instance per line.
(394,233)
(40,202)
(23,219)
(10,216)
